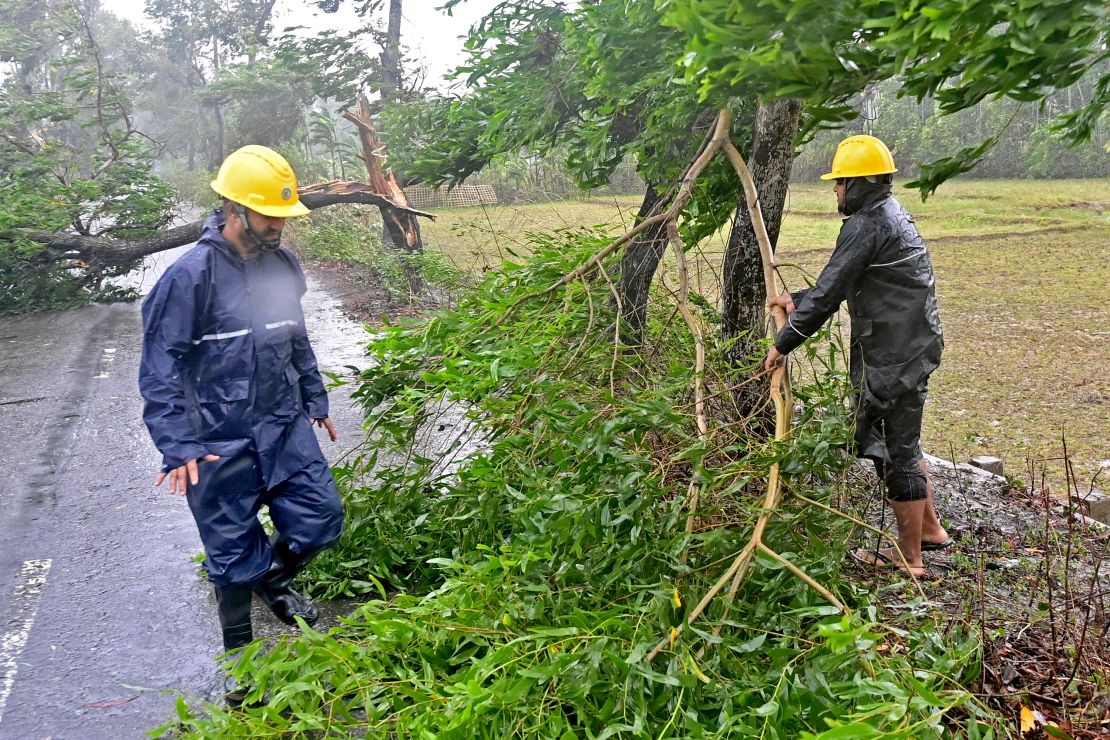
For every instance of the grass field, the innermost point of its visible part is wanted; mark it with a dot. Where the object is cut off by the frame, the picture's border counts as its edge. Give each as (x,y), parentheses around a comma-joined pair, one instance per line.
(1021,269)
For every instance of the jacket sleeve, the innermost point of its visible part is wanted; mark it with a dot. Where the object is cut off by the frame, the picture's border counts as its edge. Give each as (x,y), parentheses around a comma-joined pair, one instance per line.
(313,396)
(169,316)
(799,294)
(813,307)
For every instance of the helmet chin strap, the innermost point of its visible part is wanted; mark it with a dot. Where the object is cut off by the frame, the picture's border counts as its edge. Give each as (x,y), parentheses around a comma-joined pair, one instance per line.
(254,242)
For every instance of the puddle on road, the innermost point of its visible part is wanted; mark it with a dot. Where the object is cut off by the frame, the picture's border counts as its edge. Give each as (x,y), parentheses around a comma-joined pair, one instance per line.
(337,340)
(449,437)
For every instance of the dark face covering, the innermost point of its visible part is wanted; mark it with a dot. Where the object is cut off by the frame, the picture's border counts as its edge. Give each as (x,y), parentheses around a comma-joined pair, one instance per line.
(859,193)
(254,242)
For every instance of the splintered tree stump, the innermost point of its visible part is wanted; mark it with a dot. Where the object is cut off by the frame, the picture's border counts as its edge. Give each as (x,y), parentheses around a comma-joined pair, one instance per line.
(400,228)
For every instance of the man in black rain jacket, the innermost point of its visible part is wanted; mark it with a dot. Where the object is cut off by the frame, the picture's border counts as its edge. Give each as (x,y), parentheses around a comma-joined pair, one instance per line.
(881,267)
(232,390)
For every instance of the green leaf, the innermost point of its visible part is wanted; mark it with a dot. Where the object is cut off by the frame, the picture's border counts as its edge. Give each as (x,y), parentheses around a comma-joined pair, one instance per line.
(925,692)
(766,710)
(849,732)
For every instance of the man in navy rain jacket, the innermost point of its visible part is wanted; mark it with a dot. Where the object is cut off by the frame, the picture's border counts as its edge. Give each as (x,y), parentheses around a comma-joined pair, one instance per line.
(882,269)
(232,390)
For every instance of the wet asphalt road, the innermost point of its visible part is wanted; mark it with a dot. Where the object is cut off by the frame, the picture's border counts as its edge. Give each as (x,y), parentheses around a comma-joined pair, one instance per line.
(103,618)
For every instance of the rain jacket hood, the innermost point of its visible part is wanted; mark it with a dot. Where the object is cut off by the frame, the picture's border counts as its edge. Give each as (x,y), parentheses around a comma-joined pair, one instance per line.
(859,194)
(227,366)
(880,266)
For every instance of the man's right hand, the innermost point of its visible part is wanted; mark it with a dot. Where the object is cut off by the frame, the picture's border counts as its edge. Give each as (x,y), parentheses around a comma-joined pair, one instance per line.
(784,301)
(186,473)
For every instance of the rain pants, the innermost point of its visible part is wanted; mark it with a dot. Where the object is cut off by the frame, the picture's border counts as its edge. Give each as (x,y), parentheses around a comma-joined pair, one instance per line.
(880,266)
(227,369)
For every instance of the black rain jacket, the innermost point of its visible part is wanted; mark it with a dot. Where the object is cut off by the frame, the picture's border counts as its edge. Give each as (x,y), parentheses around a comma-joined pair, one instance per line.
(881,267)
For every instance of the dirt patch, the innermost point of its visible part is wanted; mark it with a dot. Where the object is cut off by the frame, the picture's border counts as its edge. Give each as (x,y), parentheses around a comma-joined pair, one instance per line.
(824,213)
(993,235)
(1098,206)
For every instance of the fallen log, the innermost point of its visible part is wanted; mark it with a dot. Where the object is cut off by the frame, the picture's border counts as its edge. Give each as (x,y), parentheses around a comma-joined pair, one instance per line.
(100,252)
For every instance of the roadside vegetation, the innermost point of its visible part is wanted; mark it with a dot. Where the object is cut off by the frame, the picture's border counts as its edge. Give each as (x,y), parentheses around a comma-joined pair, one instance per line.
(349,238)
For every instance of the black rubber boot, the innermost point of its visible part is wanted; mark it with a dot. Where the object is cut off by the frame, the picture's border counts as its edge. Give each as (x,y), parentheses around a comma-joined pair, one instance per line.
(276,586)
(234,607)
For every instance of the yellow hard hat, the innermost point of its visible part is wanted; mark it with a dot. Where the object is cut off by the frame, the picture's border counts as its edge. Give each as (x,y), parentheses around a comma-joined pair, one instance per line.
(260,179)
(860,156)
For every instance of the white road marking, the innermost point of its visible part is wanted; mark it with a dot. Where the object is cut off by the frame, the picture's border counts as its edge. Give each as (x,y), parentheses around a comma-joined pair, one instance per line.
(106,359)
(26,602)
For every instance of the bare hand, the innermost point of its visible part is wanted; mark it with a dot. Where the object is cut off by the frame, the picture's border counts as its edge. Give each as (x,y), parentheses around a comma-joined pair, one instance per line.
(774,359)
(186,473)
(326,424)
(782,300)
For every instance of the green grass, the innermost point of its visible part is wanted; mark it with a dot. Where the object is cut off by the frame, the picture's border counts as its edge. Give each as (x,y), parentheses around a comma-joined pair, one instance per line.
(1021,269)
(481,237)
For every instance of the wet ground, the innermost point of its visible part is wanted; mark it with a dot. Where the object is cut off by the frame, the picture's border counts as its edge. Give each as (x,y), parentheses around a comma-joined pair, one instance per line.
(104,618)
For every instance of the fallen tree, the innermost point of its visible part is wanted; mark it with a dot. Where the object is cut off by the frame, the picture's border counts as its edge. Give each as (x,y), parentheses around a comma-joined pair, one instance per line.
(97,253)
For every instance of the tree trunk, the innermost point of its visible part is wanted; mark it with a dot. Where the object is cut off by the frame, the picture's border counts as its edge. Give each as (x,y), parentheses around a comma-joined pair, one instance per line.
(260,36)
(217,156)
(391,55)
(637,270)
(744,320)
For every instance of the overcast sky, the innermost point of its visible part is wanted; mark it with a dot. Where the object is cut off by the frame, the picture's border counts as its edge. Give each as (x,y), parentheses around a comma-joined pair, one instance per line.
(432,36)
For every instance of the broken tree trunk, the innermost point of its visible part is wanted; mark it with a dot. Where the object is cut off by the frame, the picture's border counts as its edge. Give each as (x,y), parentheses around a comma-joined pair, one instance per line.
(399,229)
(101,252)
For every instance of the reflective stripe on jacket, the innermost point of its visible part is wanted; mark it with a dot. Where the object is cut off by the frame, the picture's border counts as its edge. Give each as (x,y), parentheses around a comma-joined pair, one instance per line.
(225,357)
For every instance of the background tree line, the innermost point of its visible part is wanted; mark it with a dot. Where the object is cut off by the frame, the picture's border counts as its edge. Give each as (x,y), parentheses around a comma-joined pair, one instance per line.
(1029,145)
(107,129)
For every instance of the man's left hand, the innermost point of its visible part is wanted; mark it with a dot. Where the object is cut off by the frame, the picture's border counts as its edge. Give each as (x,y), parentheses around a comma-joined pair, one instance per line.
(774,358)
(783,300)
(326,424)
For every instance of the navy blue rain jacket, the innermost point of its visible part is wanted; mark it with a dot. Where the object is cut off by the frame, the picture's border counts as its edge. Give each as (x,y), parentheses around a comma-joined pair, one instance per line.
(227,367)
